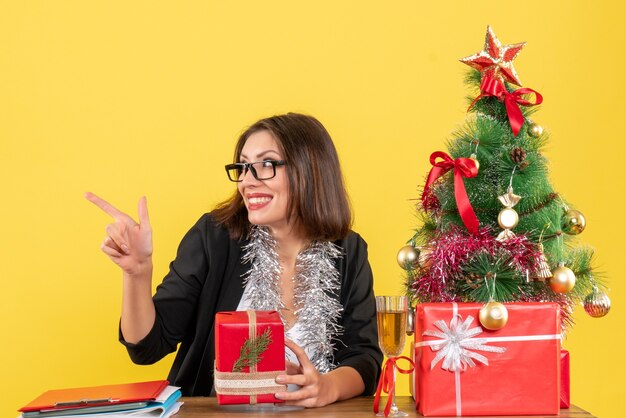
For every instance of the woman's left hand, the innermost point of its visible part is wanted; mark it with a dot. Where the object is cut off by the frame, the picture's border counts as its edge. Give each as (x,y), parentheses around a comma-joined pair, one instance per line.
(316,389)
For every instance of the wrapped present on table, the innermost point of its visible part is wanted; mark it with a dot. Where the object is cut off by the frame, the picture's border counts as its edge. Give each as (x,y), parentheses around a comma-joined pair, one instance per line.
(462,369)
(249,354)
(565,379)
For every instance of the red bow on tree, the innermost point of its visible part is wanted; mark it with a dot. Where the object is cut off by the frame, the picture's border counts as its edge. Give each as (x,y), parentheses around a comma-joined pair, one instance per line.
(495,87)
(463,167)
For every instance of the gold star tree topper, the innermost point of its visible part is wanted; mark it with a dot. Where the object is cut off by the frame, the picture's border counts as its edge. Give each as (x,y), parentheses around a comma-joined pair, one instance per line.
(495,59)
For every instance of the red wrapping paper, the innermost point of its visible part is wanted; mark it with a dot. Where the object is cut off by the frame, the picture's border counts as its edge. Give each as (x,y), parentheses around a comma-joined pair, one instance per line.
(412,375)
(523,380)
(565,379)
(232,329)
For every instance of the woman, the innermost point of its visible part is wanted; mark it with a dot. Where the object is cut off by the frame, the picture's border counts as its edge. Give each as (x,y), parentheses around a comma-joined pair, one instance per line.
(283,242)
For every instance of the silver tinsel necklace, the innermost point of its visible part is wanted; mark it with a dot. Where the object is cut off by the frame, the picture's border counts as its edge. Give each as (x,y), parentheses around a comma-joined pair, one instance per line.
(315,282)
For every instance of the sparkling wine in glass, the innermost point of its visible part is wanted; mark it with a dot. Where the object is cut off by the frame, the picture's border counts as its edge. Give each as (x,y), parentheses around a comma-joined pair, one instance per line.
(391,314)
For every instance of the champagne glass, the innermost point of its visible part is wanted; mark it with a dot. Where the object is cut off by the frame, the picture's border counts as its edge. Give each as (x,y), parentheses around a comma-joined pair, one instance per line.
(391,314)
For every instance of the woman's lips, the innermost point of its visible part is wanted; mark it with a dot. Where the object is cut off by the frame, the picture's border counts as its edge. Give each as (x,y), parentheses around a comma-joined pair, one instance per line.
(256,202)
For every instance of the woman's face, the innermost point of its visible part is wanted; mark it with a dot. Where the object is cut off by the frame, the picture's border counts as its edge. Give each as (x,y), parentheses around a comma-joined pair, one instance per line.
(266,200)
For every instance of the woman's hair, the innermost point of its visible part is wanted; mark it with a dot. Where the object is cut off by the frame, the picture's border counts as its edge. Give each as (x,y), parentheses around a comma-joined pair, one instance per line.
(319,203)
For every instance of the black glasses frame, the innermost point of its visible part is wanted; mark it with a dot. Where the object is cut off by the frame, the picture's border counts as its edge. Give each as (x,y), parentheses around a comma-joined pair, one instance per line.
(244,167)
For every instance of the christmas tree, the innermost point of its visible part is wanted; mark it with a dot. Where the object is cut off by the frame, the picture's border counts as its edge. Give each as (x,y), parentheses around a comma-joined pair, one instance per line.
(493,227)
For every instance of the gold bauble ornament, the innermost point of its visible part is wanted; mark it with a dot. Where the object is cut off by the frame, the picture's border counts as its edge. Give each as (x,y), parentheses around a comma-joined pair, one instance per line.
(493,316)
(535,130)
(508,218)
(597,304)
(573,222)
(473,158)
(562,280)
(408,257)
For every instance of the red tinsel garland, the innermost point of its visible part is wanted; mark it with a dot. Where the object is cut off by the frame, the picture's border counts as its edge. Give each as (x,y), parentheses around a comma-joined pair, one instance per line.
(453,248)
(450,250)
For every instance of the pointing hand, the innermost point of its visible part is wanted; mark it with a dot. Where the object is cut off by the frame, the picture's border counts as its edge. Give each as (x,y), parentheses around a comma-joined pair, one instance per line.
(128,243)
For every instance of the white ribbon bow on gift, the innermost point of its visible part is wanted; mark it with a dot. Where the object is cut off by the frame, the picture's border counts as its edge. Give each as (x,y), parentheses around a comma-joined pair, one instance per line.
(456,344)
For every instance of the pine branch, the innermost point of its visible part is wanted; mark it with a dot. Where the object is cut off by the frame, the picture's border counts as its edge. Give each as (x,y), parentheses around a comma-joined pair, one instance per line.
(251,351)
(487,278)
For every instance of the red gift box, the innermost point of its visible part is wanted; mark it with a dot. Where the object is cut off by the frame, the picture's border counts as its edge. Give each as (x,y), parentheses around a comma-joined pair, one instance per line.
(242,378)
(511,371)
(565,379)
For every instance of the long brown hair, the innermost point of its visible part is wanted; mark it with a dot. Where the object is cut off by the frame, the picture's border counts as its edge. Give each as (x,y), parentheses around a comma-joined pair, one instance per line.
(319,202)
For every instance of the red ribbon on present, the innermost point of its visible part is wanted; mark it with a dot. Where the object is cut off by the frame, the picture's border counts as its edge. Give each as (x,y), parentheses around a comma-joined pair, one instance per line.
(490,86)
(387,383)
(463,167)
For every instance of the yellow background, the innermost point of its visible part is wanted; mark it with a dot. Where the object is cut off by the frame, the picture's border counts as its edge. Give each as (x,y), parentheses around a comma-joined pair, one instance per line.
(132,98)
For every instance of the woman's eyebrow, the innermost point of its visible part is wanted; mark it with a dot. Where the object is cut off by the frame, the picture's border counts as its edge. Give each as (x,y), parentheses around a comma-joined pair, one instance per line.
(261,155)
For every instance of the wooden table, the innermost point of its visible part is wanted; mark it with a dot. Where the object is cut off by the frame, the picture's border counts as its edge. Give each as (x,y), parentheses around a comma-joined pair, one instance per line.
(353,408)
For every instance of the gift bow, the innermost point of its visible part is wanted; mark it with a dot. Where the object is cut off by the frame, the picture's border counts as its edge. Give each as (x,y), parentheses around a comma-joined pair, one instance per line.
(494,87)
(463,167)
(387,382)
(456,344)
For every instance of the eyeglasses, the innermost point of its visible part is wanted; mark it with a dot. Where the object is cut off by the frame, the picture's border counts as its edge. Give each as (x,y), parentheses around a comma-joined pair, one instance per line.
(261,170)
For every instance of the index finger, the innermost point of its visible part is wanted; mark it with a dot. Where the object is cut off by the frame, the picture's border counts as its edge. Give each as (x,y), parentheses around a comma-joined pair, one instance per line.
(105,206)
(304,360)
(292,368)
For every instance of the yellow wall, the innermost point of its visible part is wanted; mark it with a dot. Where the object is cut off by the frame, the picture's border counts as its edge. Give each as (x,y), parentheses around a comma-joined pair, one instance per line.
(126,98)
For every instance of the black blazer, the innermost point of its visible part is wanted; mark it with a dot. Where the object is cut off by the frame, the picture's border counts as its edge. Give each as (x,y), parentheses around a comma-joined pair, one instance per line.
(206,277)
